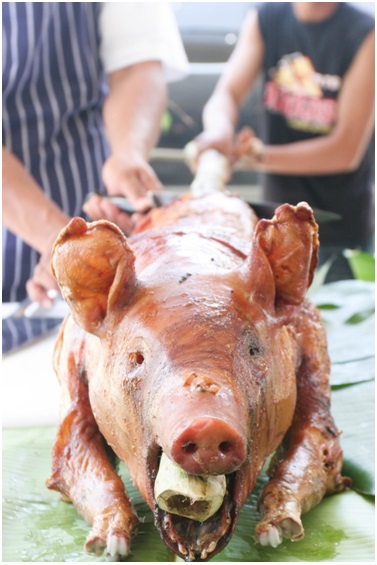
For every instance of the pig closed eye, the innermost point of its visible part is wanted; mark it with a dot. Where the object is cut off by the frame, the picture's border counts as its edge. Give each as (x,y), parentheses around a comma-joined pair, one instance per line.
(136,359)
(254,349)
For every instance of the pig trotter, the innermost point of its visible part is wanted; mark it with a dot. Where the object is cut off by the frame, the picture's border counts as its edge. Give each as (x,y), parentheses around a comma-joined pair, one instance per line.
(281,517)
(109,533)
(310,470)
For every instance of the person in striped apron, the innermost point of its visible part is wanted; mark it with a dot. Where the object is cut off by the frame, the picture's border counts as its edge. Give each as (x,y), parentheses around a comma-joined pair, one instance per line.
(84,90)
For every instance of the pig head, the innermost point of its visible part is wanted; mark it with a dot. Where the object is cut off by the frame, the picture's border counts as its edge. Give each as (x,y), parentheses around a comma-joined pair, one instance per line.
(191,339)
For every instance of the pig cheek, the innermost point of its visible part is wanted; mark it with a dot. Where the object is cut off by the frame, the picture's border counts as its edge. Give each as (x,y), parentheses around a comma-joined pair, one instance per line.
(280,390)
(257,370)
(133,438)
(118,413)
(271,392)
(107,403)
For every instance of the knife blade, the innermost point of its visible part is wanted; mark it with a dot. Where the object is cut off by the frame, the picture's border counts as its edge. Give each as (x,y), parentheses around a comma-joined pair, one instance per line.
(157,199)
(262,209)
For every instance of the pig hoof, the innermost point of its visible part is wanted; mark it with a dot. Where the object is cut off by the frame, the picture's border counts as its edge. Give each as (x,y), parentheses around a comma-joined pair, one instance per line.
(270,535)
(116,546)
(112,531)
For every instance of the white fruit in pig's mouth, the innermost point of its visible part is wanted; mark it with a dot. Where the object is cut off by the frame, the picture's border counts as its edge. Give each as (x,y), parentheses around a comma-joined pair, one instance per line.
(191,496)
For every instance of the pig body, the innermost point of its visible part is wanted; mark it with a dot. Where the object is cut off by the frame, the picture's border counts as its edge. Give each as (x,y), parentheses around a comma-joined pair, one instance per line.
(193,338)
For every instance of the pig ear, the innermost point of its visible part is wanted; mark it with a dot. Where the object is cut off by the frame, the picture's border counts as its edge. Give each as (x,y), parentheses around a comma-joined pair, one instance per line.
(290,243)
(94,267)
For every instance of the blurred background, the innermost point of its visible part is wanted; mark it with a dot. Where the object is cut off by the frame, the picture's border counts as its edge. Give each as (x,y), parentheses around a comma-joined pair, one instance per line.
(209,31)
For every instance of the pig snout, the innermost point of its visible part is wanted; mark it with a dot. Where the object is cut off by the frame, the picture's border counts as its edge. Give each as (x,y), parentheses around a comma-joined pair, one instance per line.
(203,426)
(208,446)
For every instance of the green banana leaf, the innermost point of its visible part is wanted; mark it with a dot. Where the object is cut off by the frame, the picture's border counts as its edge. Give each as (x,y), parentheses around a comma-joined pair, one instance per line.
(353,412)
(39,527)
(348,313)
(362,264)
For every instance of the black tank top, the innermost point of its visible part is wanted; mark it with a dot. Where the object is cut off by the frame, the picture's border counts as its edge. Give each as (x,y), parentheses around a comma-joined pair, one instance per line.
(304,66)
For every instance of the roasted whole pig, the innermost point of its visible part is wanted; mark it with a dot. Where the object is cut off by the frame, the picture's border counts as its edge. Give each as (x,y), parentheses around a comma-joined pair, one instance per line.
(193,340)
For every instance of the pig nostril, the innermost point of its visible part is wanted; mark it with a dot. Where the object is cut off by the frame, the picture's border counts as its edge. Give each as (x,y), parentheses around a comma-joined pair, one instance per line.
(190,447)
(136,358)
(225,447)
(139,358)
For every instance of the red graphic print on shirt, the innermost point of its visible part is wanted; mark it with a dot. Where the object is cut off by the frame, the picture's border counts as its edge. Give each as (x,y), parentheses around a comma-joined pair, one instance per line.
(296,91)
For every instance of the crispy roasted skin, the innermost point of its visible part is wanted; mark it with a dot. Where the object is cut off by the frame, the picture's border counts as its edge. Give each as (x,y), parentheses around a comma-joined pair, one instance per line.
(131,373)
(83,465)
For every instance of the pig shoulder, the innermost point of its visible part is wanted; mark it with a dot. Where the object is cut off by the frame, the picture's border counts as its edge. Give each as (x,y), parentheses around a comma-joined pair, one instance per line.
(307,325)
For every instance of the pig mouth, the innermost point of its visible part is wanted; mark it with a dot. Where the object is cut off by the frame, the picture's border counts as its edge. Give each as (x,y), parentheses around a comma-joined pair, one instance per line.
(199,541)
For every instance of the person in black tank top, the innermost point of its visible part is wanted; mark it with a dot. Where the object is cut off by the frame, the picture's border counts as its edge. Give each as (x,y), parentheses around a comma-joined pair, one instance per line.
(317,142)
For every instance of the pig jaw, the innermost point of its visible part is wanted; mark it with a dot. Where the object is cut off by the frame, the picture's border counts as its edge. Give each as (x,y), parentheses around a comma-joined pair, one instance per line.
(202,425)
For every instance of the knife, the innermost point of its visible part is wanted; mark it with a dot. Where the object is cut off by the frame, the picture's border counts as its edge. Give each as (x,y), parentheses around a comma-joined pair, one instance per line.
(262,209)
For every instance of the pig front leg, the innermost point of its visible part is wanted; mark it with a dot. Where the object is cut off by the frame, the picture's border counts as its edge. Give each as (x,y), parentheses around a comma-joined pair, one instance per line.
(308,464)
(83,472)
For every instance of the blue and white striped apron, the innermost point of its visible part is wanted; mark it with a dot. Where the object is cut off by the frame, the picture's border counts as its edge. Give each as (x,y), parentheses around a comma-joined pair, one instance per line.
(53,90)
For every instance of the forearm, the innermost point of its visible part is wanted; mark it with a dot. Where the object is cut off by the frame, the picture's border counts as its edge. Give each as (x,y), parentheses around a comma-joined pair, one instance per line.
(220,114)
(27,211)
(134,108)
(326,155)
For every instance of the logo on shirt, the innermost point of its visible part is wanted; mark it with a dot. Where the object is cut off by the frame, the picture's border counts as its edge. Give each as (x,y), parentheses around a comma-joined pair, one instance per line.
(296,91)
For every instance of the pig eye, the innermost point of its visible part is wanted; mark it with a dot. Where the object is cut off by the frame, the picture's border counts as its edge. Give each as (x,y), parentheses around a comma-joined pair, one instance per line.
(136,359)
(254,348)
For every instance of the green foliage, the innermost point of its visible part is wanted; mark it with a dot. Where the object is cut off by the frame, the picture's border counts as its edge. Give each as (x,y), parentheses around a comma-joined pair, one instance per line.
(353,412)
(362,264)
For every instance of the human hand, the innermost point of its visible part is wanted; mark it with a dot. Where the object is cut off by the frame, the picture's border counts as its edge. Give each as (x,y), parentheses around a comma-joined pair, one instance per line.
(42,281)
(98,207)
(223,142)
(249,148)
(131,177)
